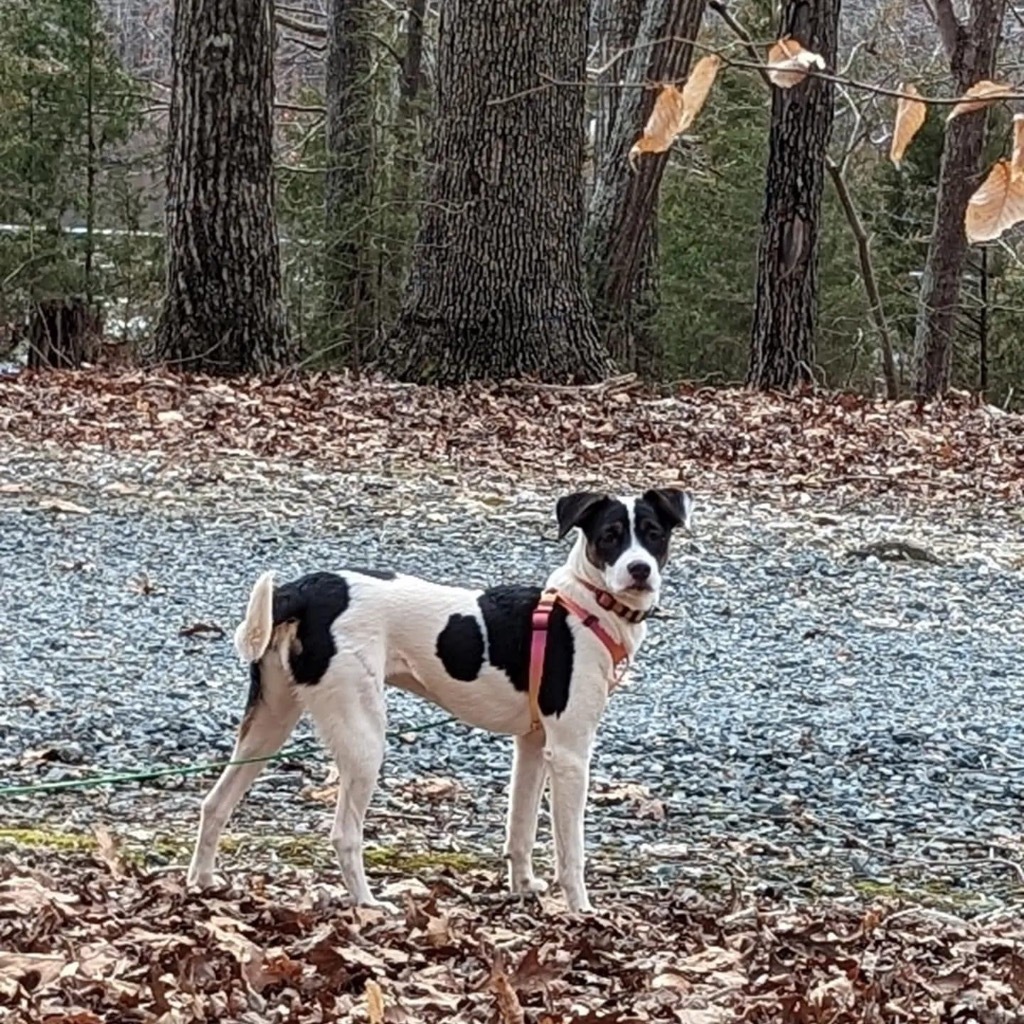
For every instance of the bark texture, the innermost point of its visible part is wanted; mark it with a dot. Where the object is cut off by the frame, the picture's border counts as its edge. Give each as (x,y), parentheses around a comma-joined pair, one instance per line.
(497,288)
(786,299)
(972,50)
(349,271)
(222,311)
(621,251)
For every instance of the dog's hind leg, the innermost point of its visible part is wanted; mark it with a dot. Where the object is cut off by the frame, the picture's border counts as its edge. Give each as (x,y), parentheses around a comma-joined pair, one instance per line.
(527,784)
(270,716)
(348,708)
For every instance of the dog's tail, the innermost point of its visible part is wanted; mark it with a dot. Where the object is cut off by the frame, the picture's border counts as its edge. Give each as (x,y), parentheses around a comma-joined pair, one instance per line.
(254,633)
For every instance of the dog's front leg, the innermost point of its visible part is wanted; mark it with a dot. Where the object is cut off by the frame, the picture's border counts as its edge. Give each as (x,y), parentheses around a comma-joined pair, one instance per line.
(569,767)
(527,784)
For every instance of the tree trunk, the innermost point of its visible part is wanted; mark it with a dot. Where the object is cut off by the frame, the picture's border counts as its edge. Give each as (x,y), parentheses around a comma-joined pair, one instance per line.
(63,334)
(972,53)
(349,272)
(621,251)
(786,299)
(222,311)
(496,288)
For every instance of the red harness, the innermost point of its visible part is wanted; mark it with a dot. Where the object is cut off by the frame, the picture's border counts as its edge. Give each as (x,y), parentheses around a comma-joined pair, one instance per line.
(538,643)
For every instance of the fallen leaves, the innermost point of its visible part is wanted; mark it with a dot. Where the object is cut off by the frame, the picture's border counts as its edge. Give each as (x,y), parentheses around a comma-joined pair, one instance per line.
(674,110)
(910,117)
(717,440)
(140,947)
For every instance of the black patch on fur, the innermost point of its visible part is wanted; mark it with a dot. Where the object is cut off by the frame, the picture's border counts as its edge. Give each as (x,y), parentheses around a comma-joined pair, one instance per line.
(508,616)
(607,532)
(652,529)
(313,602)
(255,695)
(578,509)
(377,574)
(460,646)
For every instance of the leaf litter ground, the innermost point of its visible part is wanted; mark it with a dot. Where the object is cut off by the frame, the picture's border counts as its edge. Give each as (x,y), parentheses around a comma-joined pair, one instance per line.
(105,937)
(723,440)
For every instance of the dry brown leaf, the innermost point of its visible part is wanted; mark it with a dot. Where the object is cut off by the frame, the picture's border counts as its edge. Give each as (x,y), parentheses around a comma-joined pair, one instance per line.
(910,117)
(996,206)
(374,1002)
(788,63)
(36,970)
(980,95)
(674,110)
(509,1009)
(108,849)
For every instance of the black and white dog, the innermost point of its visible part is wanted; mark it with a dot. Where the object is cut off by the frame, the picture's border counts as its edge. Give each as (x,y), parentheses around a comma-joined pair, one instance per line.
(328,643)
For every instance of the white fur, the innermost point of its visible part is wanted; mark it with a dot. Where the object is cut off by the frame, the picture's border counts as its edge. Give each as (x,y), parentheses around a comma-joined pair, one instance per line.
(388,635)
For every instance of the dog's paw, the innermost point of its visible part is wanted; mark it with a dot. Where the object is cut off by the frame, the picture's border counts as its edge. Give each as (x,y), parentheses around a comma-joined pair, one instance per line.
(384,906)
(201,880)
(525,886)
(583,909)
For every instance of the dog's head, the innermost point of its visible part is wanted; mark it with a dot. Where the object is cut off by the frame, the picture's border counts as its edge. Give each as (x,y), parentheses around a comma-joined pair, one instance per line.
(625,541)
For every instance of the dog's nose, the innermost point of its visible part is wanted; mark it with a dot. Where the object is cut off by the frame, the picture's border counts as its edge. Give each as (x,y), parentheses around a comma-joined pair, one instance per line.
(640,571)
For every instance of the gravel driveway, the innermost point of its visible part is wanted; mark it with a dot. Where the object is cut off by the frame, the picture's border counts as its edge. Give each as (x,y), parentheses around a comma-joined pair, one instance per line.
(801,717)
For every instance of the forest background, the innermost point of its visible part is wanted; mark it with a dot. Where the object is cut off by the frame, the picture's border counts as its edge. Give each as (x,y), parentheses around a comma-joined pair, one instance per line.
(367,175)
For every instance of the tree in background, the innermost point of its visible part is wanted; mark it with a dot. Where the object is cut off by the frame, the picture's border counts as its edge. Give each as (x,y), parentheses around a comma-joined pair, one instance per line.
(349,271)
(971,49)
(222,311)
(639,41)
(66,106)
(497,284)
(786,295)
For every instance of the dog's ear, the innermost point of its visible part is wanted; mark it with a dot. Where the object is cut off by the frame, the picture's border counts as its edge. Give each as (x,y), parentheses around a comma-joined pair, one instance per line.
(673,506)
(576,509)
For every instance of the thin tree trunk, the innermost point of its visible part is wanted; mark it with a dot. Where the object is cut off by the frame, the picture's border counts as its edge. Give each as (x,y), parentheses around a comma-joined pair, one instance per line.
(496,289)
(621,251)
(349,271)
(412,59)
(222,311)
(972,53)
(786,299)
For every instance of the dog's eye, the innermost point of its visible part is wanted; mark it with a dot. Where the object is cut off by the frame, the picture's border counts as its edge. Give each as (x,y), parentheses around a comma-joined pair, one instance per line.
(654,534)
(611,533)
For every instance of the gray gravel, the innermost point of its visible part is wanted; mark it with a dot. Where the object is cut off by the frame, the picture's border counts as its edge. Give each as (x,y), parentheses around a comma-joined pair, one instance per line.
(802,718)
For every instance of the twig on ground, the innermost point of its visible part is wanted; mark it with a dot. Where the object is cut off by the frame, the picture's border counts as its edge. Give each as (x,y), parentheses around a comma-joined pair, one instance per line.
(895,551)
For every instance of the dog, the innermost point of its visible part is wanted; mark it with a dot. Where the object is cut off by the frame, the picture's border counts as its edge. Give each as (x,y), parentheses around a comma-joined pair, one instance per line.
(535,664)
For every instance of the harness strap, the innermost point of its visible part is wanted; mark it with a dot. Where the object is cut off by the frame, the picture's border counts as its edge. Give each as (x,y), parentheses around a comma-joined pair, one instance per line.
(539,638)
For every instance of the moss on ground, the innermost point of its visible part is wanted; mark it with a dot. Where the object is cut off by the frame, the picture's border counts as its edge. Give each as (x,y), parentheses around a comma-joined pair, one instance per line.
(300,851)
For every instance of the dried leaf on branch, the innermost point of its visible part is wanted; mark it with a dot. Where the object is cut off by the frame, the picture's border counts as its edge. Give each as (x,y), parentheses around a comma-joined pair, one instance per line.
(980,95)
(998,204)
(789,62)
(674,110)
(910,118)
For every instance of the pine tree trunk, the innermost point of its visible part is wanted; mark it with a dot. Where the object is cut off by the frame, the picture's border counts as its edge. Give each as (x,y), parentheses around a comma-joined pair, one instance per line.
(621,251)
(349,272)
(496,289)
(222,310)
(972,52)
(786,300)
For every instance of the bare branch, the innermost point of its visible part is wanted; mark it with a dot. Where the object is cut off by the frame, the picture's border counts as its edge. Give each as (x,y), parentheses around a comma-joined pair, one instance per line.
(298,25)
(948,24)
